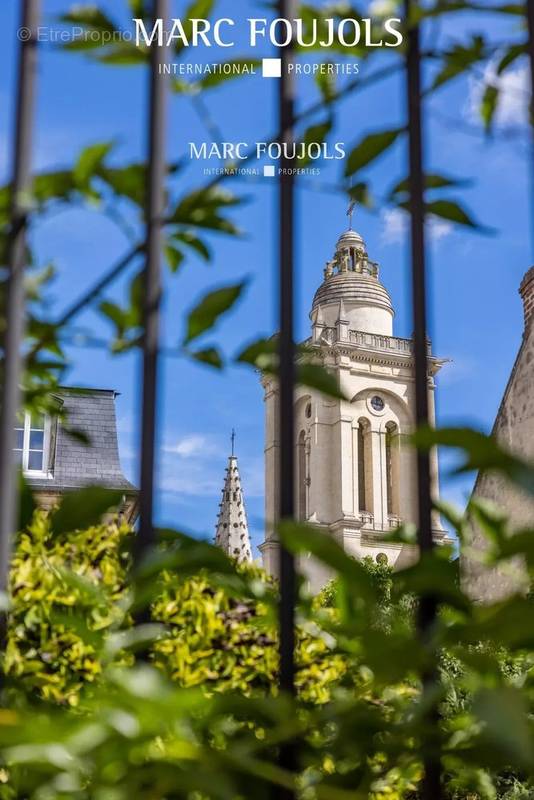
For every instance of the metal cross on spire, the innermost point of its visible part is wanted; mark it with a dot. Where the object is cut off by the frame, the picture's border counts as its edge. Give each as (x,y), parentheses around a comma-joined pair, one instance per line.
(232,438)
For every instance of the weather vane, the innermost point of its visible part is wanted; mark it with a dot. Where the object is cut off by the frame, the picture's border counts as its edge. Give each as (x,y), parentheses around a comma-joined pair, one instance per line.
(352,206)
(232,437)
(350,212)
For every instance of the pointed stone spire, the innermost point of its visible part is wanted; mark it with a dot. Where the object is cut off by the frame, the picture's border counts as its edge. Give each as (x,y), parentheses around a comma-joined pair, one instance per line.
(232,528)
(342,323)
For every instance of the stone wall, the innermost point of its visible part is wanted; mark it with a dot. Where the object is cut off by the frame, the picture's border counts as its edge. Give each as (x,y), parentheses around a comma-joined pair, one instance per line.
(514,429)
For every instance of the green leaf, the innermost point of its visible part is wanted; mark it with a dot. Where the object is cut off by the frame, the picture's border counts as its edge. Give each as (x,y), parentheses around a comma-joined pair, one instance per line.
(453,211)
(432,181)
(459,59)
(432,575)
(202,209)
(297,537)
(361,193)
(214,79)
(262,354)
(185,555)
(140,9)
(210,356)
(510,56)
(89,591)
(482,453)
(194,243)
(198,9)
(89,160)
(114,312)
(56,185)
(89,16)
(315,133)
(488,106)
(128,181)
(506,735)
(135,639)
(84,507)
(204,316)
(318,377)
(506,624)
(124,54)
(27,504)
(370,147)
(326,83)
(78,435)
(174,257)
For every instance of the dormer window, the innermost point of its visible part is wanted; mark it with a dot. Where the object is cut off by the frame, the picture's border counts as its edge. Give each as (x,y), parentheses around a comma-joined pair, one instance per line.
(32,443)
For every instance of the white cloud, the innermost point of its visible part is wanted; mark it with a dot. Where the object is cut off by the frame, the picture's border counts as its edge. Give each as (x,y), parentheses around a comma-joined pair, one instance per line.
(192,484)
(438,228)
(395,226)
(202,475)
(514,93)
(191,446)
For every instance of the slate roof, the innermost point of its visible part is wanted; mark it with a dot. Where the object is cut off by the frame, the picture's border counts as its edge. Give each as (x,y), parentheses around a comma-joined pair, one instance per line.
(73,463)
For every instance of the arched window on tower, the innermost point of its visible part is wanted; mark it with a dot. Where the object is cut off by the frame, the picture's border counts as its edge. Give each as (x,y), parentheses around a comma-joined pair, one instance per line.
(392,469)
(365,471)
(301,477)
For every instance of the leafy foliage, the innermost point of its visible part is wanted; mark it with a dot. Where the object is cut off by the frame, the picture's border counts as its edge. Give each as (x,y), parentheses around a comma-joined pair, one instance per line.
(70,603)
(207,721)
(213,642)
(64,586)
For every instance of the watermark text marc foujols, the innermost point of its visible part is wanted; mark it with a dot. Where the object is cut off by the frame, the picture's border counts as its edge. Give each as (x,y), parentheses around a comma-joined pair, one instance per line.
(279,32)
(219,33)
(274,151)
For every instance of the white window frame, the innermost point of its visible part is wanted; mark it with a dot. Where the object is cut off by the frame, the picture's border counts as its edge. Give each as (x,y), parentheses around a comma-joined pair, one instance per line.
(41,473)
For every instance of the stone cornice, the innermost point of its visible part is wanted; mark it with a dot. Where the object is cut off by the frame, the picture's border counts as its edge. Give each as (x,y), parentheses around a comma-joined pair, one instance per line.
(357,353)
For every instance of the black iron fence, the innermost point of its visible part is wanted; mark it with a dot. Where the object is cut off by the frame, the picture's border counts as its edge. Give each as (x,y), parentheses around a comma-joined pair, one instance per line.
(155,203)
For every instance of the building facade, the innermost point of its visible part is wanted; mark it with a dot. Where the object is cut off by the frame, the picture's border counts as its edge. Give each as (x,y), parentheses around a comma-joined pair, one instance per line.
(355,470)
(74,448)
(514,430)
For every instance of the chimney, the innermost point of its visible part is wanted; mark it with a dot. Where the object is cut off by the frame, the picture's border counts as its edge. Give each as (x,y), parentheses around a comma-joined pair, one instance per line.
(526,290)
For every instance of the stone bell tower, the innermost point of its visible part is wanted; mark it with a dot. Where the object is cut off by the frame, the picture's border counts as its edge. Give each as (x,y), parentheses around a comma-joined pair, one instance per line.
(355,471)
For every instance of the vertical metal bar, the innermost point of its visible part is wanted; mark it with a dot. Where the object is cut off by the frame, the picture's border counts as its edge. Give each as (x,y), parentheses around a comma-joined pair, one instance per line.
(530,25)
(286,101)
(152,277)
(529,10)
(431,789)
(14,290)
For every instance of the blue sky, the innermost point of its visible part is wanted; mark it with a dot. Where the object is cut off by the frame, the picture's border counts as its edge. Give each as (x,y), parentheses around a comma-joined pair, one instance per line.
(476,316)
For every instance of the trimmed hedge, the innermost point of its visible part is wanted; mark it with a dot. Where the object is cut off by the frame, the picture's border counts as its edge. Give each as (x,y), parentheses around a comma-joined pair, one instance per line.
(69,597)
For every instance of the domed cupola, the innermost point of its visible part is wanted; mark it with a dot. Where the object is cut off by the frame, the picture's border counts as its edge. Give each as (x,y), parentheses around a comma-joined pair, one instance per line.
(351,283)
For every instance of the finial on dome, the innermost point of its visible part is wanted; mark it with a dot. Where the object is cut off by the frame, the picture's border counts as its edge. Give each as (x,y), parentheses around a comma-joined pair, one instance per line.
(350,212)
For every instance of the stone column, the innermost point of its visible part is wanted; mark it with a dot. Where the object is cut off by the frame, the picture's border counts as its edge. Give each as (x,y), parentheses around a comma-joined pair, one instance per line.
(383,481)
(407,479)
(271,457)
(377,465)
(434,465)
(347,484)
(355,462)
